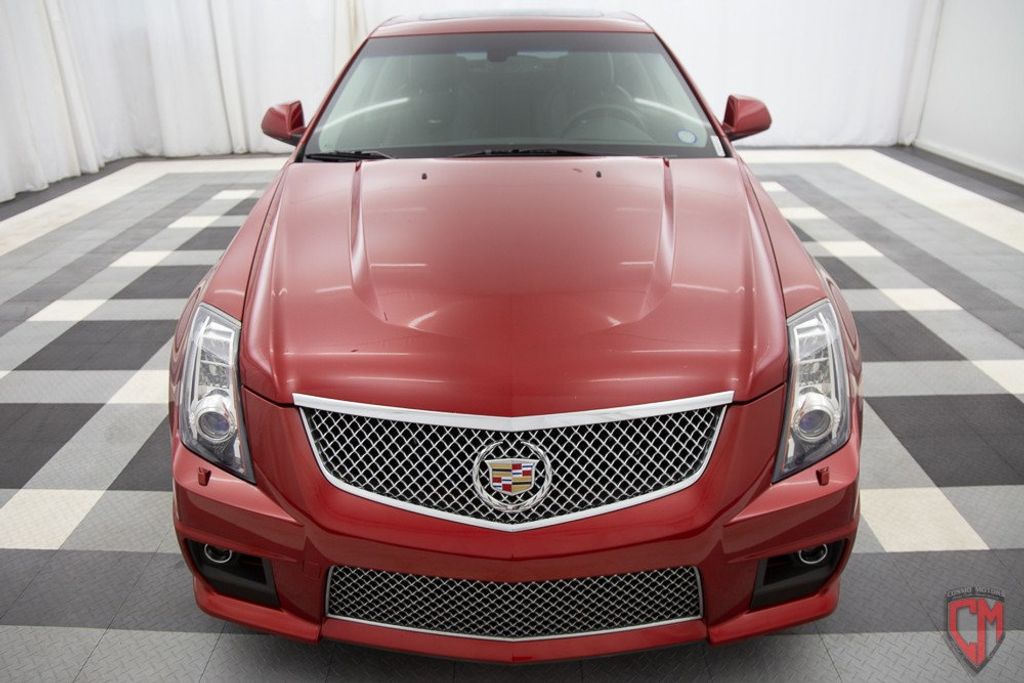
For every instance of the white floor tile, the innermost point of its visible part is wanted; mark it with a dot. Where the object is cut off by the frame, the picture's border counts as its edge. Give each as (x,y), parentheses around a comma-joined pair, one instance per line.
(140,258)
(193,222)
(43,518)
(926,299)
(922,519)
(798,213)
(847,248)
(770,186)
(234,194)
(1008,373)
(67,310)
(145,386)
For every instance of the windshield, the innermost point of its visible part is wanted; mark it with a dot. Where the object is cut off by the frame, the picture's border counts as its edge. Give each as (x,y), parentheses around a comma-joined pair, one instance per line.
(549,92)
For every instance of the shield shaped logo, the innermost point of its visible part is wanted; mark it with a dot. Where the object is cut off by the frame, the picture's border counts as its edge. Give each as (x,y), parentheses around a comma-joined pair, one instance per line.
(511,475)
(975,624)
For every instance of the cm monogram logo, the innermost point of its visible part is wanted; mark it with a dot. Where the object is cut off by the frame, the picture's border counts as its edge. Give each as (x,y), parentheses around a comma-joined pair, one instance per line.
(975,624)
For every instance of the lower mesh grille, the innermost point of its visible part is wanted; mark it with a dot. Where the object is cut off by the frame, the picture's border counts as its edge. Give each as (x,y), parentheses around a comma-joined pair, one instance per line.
(529,609)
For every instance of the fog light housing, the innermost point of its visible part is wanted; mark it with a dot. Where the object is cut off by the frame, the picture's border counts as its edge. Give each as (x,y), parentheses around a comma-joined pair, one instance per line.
(235,574)
(795,575)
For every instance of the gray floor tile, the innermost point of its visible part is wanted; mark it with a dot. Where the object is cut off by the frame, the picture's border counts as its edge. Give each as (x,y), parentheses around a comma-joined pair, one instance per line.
(894,656)
(969,336)
(866,541)
(139,309)
(61,386)
(352,663)
(150,467)
(37,653)
(97,453)
(26,339)
(566,672)
(927,378)
(133,521)
(988,510)
(875,597)
(162,600)
(683,663)
(266,658)
(77,588)
(773,658)
(884,460)
(149,656)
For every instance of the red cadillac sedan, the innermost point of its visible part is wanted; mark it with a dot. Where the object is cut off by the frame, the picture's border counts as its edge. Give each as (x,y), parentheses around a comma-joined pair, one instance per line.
(515,360)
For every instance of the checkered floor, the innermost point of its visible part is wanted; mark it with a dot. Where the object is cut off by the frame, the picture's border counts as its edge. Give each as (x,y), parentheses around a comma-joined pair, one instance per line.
(91,584)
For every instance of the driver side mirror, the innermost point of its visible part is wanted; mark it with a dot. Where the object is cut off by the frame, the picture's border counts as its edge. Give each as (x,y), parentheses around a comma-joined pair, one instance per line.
(745,116)
(285,122)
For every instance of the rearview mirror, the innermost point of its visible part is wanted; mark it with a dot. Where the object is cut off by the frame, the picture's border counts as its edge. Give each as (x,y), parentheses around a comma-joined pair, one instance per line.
(745,116)
(285,122)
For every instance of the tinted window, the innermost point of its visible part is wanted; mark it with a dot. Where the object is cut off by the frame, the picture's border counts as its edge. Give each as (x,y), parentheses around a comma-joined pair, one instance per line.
(603,93)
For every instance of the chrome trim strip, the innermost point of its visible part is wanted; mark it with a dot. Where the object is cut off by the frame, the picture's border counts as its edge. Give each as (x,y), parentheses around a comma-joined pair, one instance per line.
(513,424)
(514,640)
(536,524)
(700,604)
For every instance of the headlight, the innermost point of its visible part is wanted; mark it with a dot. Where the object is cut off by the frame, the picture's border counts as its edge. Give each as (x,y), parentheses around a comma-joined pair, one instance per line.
(818,412)
(210,408)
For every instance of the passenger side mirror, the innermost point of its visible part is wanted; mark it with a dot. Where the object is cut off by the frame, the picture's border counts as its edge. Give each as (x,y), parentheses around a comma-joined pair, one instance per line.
(285,122)
(745,116)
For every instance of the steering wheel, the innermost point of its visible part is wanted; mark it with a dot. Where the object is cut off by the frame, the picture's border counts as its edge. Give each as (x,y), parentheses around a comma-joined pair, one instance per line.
(616,111)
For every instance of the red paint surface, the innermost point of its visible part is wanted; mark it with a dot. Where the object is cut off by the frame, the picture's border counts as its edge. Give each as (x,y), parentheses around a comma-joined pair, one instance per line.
(517,286)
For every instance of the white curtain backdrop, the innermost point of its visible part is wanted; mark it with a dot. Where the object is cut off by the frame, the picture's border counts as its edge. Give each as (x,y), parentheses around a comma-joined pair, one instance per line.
(83,82)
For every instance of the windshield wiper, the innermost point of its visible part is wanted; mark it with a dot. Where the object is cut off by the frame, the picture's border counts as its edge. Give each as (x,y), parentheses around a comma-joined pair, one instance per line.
(346,155)
(526,152)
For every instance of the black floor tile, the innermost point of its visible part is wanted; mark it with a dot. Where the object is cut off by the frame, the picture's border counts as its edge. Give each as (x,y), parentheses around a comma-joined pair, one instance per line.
(210,238)
(960,440)
(898,336)
(31,433)
(930,575)
(876,598)
(17,569)
(150,468)
(103,345)
(845,276)
(164,282)
(804,237)
(78,588)
(243,208)
(961,460)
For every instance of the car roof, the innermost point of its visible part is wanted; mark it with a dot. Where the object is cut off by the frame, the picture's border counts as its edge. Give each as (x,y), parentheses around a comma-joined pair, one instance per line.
(512,20)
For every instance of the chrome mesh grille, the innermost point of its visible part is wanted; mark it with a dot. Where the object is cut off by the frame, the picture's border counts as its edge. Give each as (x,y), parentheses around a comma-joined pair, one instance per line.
(530,609)
(435,467)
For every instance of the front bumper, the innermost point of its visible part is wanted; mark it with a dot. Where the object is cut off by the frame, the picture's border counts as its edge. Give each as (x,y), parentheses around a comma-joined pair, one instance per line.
(725,525)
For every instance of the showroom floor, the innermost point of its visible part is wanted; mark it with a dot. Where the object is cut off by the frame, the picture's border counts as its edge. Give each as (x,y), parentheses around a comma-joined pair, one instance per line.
(91,584)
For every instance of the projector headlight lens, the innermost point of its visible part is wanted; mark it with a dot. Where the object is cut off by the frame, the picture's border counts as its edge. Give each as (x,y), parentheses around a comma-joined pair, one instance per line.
(818,415)
(210,405)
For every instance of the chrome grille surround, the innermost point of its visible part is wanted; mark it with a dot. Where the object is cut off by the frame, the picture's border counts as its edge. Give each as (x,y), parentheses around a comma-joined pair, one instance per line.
(600,460)
(528,610)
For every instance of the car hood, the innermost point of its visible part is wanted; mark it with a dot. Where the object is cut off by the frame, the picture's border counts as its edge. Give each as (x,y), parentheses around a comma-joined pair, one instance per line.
(514,286)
